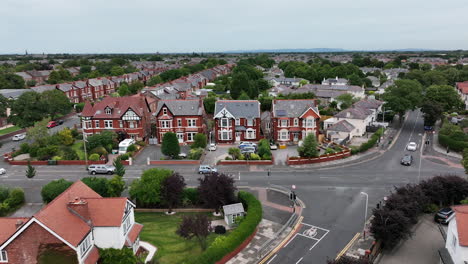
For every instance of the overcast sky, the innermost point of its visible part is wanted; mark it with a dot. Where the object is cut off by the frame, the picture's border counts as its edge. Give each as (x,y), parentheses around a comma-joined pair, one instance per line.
(133,26)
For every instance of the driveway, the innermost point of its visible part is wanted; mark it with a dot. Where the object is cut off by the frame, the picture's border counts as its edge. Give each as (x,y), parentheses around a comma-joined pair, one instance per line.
(281,155)
(212,157)
(154,153)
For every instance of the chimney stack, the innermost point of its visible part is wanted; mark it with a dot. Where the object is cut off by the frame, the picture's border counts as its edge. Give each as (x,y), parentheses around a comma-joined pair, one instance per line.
(18,224)
(79,207)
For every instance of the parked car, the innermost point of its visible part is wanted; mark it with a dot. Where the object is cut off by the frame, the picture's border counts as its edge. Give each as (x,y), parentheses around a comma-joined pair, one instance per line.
(52,124)
(60,122)
(212,147)
(19,137)
(205,169)
(428,128)
(183,155)
(273,146)
(247,144)
(101,169)
(407,160)
(248,150)
(443,215)
(412,146)
(2,171)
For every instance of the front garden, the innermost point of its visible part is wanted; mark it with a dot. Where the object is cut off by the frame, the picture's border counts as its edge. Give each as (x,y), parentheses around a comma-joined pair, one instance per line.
(263,152)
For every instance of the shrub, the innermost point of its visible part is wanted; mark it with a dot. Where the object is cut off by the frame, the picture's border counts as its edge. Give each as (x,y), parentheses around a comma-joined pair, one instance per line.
(101,151)
(24,148)
(199,141)
(33,149)
(195,154)
(329,151)
(3,193)
(234,152)
(264,148)
(15,198)
(117,256)
(132,148)
(94,157)
(309,147)
(141,143)
(254,156)
(369,144)
(266,157)
(191,196)
(56,158)
(125,156)
(69,154)
(54,189)
(170,145)
(219,229)
(47,152)
(147,189)
(228,158)
(74,132)
(99,185)
(431,208)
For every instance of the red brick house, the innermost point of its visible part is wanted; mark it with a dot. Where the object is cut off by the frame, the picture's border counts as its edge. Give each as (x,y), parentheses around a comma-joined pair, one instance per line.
(182,117)
(74,224)
(129,115)
(237,120)
(293,120)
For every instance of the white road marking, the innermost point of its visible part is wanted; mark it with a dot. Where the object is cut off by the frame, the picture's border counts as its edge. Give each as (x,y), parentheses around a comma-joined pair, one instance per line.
(272,259)
(299,260)
(290,240)
(414,126)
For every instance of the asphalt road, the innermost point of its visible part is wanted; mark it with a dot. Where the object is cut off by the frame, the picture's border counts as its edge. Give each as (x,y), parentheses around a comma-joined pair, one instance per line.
(332,195)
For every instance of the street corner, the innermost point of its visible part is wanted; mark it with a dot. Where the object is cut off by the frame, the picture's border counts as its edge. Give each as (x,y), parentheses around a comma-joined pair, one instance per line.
(307,237)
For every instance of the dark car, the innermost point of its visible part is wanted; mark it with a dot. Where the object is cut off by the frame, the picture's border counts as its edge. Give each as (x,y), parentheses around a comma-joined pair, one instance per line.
(407,160)
(60,122)
(428,128)
(443,215)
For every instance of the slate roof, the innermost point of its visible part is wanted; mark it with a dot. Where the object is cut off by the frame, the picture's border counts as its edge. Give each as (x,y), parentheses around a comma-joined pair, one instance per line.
(24,75)
(233,209)
(239,108)
(13,93)
(342,126)
(292,108)
(43,88)
(95,82)
(181,107)
(65,87)
(354,113)
(80,84)
(368,104)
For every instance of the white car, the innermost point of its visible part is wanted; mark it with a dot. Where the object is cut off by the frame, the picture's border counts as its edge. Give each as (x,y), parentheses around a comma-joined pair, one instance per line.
(182,155)
(273,146)
(212,147)
(19,137)
(2,171)
(412,146)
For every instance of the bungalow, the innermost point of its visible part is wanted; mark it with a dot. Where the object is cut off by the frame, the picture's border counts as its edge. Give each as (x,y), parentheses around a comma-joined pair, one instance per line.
(456,245)
(335,81)
(74,224)
(293,120)
(237,120)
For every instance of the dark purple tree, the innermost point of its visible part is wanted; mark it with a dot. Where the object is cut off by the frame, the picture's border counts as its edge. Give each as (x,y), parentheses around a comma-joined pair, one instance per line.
(172,190)
(348,260)
(216,190)
(390,226)
(197,226)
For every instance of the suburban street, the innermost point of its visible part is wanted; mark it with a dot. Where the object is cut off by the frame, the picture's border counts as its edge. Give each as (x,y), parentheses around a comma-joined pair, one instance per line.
(332,195)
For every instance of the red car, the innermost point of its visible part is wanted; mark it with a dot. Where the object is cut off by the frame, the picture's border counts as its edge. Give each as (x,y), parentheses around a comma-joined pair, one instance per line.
(52,124)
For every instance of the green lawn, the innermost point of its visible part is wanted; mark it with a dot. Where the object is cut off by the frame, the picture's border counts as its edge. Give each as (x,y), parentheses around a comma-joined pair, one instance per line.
(159,229)
(9,130)
(78,148)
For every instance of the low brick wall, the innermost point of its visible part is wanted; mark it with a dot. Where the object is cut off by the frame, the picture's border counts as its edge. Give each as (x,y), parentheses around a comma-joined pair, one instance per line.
(23,162)
(238,249)
(322,158)
(174,162)
(245,162)
(59,162)
(181,210)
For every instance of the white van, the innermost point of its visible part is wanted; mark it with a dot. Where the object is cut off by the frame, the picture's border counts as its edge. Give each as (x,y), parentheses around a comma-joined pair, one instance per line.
(125,144)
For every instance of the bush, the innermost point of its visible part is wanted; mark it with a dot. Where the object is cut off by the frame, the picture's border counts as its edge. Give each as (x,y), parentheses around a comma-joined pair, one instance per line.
(141,143)
(101,151)
(75,133)
(191,196)
(117,256)
(195,154)
(309,147)
(199,141)
(24,148)
(56,158)
(264,148)
(79,107)
(125,156)
(369,144)
(234,152)
(54,189)
(132,148)
(33,149)
(47,152)
(329,151)
(254,156)
(10,200)
(228,158)
(219,229)
(266,157)
(431,208)
(94,157)
(69,154)
(224,245)
(99,185)
(147,190)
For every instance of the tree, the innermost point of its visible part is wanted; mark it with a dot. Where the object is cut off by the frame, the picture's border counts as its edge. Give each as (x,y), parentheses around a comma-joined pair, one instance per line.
(444,95)
(234,152)
(55,102)
(119,167)
(240,82)
(244,96)
(124,90)
(135,87)
(432,112)
(199,141)
(147,190)
(11,81)
(172,190)
(54,189)
(209,104)
(264,148)
(106,139)
(98,185)
(3,106)
(39,132)
(66,137)
(116,186)
(27,109)
(309,147)
(216,190)
(154,80)
(345,100)
(117,256)
(117,71)
(464,161)
(198,226)
(403,96)
(170,145)
(31,171)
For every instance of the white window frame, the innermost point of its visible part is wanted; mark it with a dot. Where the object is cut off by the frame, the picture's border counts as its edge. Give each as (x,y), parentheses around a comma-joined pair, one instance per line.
(190,136)
(108,124)
(87,124)
(310,122)
(284,122)
(96,123)
(191,122)
(250,122)
(165,124)
(85,245)
(224,120)
(296,122)
(179,122)
(225,134)
(3,256)
(120,123)
(250,133)
(283,135)
(108,111)
(237,121)
(127,224)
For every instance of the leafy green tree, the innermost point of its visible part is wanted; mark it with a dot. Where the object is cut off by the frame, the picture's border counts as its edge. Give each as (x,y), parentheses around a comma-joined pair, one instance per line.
(154,80)
(234,152)
(147,190)
(11,81)
(209,104)
(170,145)
(31,171)
(309,147)
(124,90)
(99,185)
(55,102)
(119,167)
(345,100)
(432,112)
(106,139)
(54,189)
(445,95)
(3,106)
(240,82)
(155,58)
(85,69)
(27,109)
(31,83)
(135,87)
(66,137)
(117,71)
(243,96)
(117,256)
(264,148)
(403,96)
(199,141)
(464,161)
(39,132)
(116,186)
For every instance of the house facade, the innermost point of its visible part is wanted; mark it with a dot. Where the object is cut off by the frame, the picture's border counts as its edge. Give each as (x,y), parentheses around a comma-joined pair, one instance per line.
(293,120)
(237,120)
(75,224)
(456,245)
(128,116)
(462,88)
(185,118)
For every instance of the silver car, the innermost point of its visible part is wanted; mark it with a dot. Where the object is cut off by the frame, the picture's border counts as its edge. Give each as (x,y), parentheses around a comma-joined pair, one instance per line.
(101,169)
(19,137)
(2,171)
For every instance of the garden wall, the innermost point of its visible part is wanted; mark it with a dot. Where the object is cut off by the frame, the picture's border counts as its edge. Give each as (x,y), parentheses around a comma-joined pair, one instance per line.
(174,162)
(59,162)
(238,249)
(322,158)
(245,162)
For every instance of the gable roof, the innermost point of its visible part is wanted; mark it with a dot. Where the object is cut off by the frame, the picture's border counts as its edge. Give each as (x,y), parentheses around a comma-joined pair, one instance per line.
(233,208)
(292,108)
(13,93)
(354,113)
(9,226)
(461,216)
(368,104)
(181,107)
(119,106)
(43,88)
(239,108)
(462,87)
(107,211)
(342,126)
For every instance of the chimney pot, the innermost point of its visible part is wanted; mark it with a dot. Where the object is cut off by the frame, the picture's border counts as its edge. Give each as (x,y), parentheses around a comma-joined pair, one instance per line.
(18,224)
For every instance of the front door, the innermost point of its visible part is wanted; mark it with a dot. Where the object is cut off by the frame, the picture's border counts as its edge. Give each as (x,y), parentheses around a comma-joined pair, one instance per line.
(180,137)
(295,136)
(238,136)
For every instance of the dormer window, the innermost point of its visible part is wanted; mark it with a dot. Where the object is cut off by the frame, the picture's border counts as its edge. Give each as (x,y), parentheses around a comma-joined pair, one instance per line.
(108,111)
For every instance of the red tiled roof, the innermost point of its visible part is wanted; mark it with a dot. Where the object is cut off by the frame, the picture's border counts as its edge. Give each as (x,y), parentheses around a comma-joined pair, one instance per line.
(59,219)
(461,214)
(133,234)
(119,106)
(107,211)
(463,87)
(8,227)
(92,257)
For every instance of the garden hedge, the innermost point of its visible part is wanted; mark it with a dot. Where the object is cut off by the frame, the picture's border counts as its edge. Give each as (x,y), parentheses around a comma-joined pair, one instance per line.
(452,144)
(370,143)
(10,200)
(224,245)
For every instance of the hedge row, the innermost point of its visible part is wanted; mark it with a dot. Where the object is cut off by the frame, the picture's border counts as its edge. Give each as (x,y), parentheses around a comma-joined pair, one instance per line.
(224,245)
(370,143)
(452,144)
(10,200)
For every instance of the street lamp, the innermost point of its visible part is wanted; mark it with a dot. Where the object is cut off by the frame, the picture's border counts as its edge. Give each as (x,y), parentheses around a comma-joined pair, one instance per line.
(365,214)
